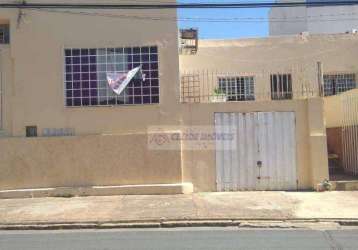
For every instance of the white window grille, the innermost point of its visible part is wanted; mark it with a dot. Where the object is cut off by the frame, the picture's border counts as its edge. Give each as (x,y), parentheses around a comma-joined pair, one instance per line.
(338,83)
(281,86)
(239,88)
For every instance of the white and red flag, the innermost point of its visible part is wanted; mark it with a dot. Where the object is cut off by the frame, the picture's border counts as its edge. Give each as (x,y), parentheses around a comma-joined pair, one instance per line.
(119,81)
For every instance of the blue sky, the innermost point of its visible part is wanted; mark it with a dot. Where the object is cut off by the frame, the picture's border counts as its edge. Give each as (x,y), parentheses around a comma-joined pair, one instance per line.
(214,30)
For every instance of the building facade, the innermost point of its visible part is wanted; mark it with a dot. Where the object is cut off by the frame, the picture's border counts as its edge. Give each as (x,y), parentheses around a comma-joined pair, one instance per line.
(54,94)
(315,20)
(277,69)
(64,130)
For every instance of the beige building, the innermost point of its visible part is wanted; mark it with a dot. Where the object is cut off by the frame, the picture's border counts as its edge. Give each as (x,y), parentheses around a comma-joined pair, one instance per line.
(63,130)
(283,68)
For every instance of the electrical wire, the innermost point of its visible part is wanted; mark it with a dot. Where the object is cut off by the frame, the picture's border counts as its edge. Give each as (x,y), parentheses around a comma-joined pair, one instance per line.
(207,19)
(201,5)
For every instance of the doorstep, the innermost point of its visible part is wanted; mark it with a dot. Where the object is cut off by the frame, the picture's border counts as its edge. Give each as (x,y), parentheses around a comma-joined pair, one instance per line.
(344,185)
(150,189)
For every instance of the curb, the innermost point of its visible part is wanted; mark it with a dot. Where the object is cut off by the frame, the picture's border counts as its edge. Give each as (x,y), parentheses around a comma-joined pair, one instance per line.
(279,224)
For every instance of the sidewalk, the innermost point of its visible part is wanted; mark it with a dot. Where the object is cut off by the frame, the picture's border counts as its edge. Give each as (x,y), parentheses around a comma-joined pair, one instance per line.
(199,206)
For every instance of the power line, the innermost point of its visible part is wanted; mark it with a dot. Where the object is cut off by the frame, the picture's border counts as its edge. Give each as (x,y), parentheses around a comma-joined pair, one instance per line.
(333,17)
(236,5)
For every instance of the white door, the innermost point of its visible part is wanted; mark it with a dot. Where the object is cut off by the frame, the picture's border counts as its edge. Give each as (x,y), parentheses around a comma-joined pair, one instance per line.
(261,155)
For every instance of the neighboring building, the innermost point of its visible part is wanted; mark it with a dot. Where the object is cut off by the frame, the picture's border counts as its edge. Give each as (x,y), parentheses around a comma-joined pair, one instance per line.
(279,68)
(54,90)
(315,20)
(271,68)
(254,101)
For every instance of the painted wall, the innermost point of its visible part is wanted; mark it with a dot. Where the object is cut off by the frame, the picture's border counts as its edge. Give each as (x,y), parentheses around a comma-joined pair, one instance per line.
(335,112)
(261,57)
(37,86)
(199,167)
(6,89)
(33,69)
(84,161)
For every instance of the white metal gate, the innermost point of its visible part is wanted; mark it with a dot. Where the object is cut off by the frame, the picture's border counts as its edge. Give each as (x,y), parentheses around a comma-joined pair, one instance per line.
(350,133)
(262,155)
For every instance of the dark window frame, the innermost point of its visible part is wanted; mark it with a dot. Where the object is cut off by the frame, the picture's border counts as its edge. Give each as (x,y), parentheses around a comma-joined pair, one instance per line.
(281,86)
(334,84)
(31,131)
(237,88)
(4,33)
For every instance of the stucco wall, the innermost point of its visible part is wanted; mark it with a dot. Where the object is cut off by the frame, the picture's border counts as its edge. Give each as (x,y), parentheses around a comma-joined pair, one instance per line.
(297,55)
(83,161)
(335,111)
(6,87)
(128,159)
(33,70)
(36,50)
(199,167)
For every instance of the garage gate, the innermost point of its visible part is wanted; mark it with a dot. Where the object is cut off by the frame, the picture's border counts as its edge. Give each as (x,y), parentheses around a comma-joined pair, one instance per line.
(260,156)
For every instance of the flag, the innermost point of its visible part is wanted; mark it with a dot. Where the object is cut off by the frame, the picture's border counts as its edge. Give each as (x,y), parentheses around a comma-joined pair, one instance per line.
(119,81)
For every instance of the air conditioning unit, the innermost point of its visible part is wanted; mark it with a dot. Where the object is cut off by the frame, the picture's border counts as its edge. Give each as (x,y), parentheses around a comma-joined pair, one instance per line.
(188,41)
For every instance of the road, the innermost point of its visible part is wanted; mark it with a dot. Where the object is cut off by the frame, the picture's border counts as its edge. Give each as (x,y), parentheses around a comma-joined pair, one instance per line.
(184,238)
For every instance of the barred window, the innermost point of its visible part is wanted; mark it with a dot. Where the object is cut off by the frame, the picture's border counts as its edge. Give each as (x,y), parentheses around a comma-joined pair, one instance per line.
(4,34)
(281,86)
(237,88)
(86,76)
(338,83)
(190,88)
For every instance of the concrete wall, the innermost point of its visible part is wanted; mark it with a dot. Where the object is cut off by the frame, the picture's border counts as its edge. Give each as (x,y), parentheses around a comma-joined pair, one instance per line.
(315,20)
(84,161)
(261,57)
(199,167)
(334,110)
(345,19)
(6,87)
(36,89)
(32,67)
(278,25)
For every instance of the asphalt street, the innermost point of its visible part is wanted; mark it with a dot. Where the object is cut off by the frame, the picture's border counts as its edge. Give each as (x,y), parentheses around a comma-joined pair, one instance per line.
(183,238)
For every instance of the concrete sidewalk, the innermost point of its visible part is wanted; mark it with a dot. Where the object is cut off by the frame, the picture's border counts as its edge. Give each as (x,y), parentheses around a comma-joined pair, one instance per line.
(199,206)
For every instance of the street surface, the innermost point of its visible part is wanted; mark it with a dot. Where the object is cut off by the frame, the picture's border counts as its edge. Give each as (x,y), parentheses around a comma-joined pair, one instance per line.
(182,238)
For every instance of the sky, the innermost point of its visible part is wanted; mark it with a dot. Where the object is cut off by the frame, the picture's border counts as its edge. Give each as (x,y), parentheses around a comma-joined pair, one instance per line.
(216,30)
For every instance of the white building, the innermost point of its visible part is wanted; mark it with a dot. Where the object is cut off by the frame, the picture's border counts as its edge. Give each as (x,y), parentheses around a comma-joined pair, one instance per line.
(329,19)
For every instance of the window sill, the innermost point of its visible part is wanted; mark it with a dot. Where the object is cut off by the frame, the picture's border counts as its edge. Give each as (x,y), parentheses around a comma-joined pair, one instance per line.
(114,106)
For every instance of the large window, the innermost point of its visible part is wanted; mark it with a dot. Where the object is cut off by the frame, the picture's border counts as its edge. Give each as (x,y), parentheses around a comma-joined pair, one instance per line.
(237,88)
(281,86)
(86,76)
(338,83)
